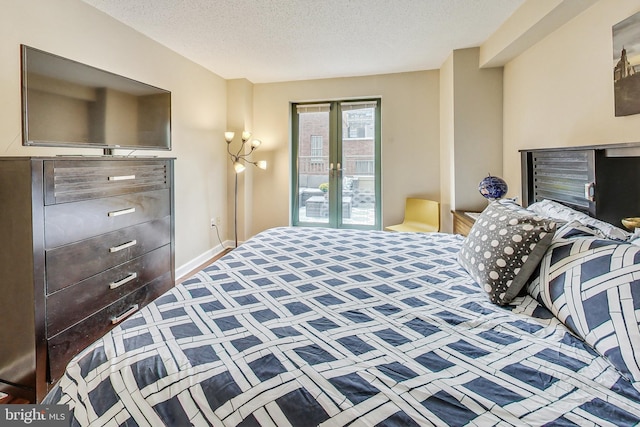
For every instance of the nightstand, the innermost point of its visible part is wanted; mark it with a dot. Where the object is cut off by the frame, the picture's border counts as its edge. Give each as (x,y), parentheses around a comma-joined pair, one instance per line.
(463,221)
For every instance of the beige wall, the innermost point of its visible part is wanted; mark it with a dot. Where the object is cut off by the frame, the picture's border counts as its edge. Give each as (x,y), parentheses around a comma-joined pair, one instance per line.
(447,172)
(560,91)
(557,93)
(483,117)
(470,131)
(410,139)
(477,127)
(73,29)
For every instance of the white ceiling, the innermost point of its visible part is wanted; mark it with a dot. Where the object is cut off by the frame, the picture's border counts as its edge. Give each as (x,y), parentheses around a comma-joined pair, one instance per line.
(284,40)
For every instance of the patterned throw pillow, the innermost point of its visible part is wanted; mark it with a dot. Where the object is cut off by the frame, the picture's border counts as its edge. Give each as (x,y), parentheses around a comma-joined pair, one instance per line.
(504,247)
(592,285)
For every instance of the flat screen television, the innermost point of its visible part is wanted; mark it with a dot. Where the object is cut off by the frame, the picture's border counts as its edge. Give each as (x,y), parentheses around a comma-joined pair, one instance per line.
(69,104)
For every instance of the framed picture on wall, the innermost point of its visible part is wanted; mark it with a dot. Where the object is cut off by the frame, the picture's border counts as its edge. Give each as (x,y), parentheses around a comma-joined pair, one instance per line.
(626,66)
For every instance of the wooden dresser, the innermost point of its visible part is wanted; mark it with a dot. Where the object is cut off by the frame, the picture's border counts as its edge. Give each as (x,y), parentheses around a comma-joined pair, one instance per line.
(86,242)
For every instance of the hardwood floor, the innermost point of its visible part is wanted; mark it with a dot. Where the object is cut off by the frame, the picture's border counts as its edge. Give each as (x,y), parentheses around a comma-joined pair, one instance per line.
(206,264)
(7,399)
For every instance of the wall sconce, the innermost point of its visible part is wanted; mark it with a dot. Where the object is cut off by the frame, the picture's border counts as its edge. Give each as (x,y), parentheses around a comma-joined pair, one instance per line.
(240,160)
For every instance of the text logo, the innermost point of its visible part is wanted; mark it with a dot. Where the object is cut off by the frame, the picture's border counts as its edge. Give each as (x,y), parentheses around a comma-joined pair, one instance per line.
(34,415)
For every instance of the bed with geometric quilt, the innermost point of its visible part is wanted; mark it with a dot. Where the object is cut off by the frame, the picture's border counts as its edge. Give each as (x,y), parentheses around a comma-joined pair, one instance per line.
(314,326)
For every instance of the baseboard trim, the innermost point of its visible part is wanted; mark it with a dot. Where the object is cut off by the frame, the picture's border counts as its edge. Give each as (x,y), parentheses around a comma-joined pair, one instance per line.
(190,266)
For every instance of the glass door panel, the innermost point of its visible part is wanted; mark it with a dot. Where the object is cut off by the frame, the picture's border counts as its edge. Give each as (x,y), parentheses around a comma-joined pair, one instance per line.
(313,166)
(358,163)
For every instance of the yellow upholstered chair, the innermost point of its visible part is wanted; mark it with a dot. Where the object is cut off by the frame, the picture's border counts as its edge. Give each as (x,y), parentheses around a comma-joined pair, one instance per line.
(419,215)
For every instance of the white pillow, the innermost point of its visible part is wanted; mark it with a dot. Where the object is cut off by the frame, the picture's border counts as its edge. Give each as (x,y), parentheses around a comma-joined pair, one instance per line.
(557,211)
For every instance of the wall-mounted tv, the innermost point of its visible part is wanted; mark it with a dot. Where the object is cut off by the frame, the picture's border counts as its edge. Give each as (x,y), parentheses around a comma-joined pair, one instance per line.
(69,104)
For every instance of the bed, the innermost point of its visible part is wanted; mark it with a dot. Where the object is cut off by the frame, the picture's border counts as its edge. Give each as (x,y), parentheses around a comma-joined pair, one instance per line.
(313,326)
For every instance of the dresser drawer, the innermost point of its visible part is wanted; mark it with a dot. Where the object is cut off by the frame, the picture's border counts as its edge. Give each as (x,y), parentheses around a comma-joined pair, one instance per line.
(91,218)
(65,345)
(95,293)
(73,180)
(74,262)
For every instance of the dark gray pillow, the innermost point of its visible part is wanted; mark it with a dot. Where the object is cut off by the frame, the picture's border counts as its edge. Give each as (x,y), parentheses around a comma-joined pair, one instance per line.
(504,247)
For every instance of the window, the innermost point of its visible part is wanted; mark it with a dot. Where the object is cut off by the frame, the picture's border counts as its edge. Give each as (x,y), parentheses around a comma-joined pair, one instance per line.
(316,149)
(358,124)
(364,167)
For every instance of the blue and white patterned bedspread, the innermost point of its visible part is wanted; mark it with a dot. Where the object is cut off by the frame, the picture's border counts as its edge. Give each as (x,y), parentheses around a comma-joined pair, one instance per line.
(313,326)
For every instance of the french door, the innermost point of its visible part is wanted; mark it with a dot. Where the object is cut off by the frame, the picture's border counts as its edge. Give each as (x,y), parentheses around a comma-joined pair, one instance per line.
(336,164)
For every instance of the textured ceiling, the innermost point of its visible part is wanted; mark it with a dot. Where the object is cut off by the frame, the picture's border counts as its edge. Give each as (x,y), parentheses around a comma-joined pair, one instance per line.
(283,40)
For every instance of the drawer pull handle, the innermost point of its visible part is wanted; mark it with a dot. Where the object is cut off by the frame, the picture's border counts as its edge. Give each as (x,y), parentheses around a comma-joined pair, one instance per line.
(123,246)
(122,212)
(117,319)
(121,177)
(118,283)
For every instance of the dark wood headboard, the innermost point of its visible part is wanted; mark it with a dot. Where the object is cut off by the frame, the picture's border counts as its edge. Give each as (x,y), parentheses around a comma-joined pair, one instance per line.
(600,180)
